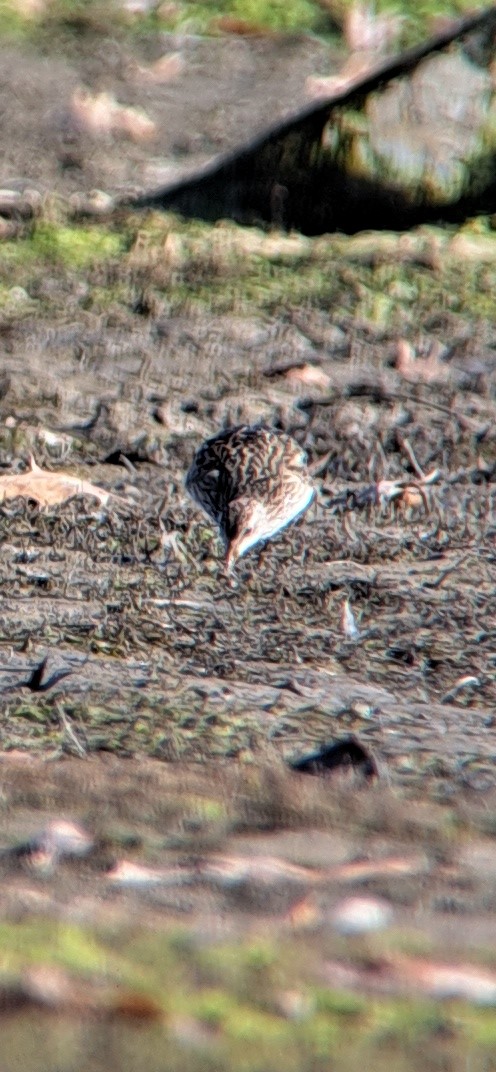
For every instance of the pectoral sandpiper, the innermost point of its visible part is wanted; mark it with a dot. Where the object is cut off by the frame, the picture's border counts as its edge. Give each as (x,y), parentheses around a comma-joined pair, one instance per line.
(252,481)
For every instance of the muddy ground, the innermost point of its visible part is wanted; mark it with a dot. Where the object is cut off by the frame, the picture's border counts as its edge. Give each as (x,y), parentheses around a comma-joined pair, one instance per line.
(173,698)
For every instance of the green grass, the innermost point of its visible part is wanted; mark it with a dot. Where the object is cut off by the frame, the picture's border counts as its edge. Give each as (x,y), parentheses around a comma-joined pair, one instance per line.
(227,269)
(74,247)
(276,15)
(290,1021)
(312,17)
(55,246)
(39,941)
(63,21)
(190,268)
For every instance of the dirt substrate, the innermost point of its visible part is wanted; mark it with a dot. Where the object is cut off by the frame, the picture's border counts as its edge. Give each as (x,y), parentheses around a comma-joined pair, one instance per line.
(159,703)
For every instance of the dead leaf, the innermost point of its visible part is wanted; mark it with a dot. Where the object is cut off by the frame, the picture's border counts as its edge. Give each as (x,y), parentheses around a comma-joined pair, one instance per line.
(128,874)
(229,24)
(356,67)
(365,870)
(53,988)
(409,494)
(368,36)
(309,376)
(366,31)
(166,69)
(430,369)
(101,115)
(94,203)
(48,489)
(466,982)
(305,913)
(133,1005)
(262,870)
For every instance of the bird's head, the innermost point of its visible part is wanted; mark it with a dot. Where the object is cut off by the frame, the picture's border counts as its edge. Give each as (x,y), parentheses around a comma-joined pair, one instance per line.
(247,522)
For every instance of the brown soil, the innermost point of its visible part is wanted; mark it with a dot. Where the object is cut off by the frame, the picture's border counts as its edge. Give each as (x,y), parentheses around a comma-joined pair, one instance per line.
(224,90)
(201,687)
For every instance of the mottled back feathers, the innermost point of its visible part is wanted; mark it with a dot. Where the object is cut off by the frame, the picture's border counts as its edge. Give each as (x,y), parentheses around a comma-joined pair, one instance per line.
(252,481)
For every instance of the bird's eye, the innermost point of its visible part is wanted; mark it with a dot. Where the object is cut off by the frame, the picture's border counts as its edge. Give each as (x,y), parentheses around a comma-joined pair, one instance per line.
(247,531)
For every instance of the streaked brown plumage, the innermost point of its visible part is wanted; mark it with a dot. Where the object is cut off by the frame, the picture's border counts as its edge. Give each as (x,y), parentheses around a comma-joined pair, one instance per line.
(252,481)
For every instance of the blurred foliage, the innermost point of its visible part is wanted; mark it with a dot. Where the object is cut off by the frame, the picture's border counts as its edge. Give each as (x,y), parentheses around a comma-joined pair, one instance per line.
(64,18)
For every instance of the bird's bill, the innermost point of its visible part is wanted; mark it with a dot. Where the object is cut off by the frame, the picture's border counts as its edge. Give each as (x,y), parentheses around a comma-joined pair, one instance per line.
(231,557)
(237,547)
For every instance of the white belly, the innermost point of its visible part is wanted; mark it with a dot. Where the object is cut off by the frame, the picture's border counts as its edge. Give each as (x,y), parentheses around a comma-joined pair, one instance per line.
(298,506)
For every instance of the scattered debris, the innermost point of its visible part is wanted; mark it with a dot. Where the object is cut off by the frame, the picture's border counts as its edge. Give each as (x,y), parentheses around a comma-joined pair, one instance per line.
(359,915)
(407,493)
(468,681)
(101,116)
(348,623)
(411,975)
(367,31)
(59,839)
(47,488)
(94,203)
(307,376)
(348,753)
(368,36)
(51,987)
(17,205)
(430,369)
(34,681)
(259,871)
(164,70)
(126,873)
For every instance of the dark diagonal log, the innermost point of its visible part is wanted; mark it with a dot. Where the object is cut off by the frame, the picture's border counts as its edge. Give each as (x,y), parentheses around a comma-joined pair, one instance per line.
(291,177)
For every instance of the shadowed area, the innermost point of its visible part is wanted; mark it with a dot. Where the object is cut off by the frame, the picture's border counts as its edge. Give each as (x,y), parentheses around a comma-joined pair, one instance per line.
(310,174)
